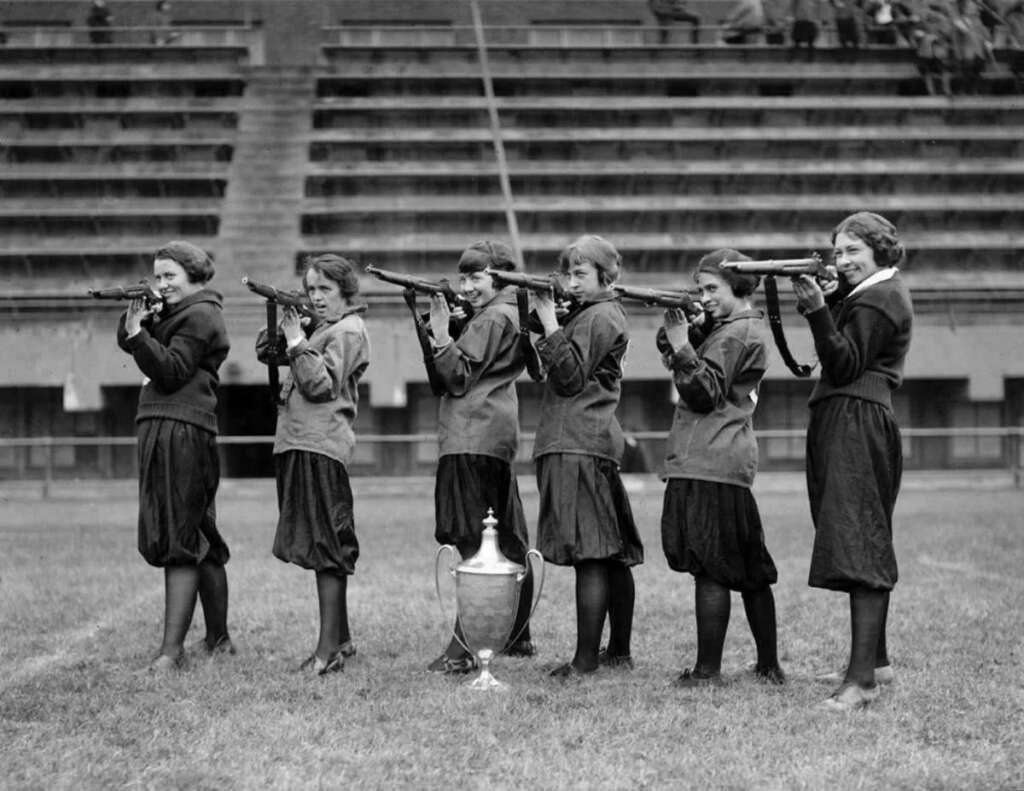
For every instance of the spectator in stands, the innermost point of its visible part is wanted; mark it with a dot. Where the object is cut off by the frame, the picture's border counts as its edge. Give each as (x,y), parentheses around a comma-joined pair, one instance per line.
(163,34)
(854,451)
(882,27)
(478,430)
(314,443)
(934,48)
(973,46)
(585,518)
(805,28)
(745,21)
(668,12)
(179,471)
(710,524)
(847,16)
(98,21)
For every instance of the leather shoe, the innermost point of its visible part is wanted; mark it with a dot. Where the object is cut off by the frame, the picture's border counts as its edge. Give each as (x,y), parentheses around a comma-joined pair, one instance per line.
(452,667)
(608,659)
(166,664)
(692,679)
(521,649)
(851,697)
(569,671)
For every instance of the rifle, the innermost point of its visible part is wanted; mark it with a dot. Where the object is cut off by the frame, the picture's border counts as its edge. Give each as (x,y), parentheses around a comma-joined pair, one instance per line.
(412,285)
(291,299)
(143,290)
(662,298)
(545,284)
(791,268)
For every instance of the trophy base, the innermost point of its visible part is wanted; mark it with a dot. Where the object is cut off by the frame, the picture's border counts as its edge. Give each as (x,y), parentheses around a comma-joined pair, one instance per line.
(485,680)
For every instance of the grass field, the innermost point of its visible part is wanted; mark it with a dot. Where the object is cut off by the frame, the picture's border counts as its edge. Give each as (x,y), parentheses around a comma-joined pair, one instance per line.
(80,614)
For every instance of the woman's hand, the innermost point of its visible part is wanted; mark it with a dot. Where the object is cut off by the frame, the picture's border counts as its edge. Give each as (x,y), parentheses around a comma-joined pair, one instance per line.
(677,329)
(544,305)
(809,296)
(440,317)
(138,311)
(291,326)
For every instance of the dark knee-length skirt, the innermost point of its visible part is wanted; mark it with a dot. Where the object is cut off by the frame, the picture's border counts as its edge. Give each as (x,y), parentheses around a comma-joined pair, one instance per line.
(714,529)
(316,527)
(584,511)
(466,486)
(854,468)
(179,472)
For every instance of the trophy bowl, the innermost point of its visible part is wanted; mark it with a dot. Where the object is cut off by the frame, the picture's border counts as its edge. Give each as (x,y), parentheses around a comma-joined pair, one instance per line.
(487,588)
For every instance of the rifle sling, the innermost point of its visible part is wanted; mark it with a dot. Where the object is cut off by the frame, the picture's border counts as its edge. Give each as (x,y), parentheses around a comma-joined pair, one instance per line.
(272,351)
(525,344)
(423,335)
(771,293)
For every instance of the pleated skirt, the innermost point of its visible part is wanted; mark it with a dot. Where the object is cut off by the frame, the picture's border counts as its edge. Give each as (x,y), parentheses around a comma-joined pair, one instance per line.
(316,527)
(584,511)
(179,472)
(714,529)
(466,486)
(854,469)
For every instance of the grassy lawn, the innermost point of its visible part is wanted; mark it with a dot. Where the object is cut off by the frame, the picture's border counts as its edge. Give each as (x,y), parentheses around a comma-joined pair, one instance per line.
(80,614)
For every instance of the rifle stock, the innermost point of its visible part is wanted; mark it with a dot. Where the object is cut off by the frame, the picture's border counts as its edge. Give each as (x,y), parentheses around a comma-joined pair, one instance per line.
(789,267)
(142,290)
(291,299)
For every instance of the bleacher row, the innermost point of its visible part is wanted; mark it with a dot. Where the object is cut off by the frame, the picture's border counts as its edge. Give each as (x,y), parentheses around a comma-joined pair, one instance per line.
(668,150)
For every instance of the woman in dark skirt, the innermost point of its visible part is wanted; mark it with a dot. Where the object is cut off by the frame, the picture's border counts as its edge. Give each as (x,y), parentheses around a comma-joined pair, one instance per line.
(478,431)
(710,524)
(854,453)
(314,443)
(179,344)
(585,517)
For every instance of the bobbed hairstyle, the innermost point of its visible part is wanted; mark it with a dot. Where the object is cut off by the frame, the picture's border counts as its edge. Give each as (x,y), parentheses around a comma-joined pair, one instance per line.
(877,233)
(197,263)
(741,283)
(596,251)
(488,255)
(334,267)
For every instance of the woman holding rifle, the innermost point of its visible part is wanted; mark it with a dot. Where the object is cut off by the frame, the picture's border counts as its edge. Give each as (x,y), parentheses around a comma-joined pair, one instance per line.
(313,446)
(179,345)
(710,524)
(585,517)
(854,450)
(478,430)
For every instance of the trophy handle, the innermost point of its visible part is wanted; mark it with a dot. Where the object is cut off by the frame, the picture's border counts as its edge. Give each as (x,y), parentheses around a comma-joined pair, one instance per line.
(448,617)
(538,586)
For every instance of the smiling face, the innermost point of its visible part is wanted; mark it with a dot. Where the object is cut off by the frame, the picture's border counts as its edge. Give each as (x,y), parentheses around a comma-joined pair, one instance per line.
(171,281)
(854,258)
(325,294)
(583,281)
(477,287)
(717,296)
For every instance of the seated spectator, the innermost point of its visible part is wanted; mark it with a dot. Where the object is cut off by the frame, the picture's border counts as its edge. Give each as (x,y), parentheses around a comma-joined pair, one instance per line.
(744,23)
(805,28)
(667,12)
(847,17)
(933,47)
(973,47)
(98,20)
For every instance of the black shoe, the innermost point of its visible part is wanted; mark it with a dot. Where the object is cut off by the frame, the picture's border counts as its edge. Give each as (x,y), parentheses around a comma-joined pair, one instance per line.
(605,657)
(163,663)
(770,675)
(452,667)
(691,679)
(316,665)
(521,649)
(569,671)
(222,646)
(347,649)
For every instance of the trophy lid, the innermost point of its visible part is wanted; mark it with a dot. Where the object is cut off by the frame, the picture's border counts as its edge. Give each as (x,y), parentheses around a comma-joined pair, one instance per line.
(489,558)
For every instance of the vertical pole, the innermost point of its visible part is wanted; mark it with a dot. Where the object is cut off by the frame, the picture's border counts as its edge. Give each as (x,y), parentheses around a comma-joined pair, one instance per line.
(1017,456)
(47,467)
(499,145)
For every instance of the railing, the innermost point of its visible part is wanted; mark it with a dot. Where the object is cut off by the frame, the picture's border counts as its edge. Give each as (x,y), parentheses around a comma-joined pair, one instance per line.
(1012,437)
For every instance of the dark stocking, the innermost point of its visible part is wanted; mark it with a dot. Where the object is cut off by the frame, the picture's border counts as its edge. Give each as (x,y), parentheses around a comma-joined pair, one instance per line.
(760,609)
(621,600)
(882,652)
(343,631)
(867,614)
(521,627)
(330,591)
(713,603)
(180,586)
(592,597)
(213,594)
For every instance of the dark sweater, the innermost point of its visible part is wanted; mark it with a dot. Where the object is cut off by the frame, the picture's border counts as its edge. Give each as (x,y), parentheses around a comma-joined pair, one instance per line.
(180,353)
(863,341)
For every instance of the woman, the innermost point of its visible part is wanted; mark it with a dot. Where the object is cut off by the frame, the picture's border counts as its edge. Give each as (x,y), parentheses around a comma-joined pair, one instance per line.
(179,345)
(313,446)
(854,452)
(585,518)
(478,431)
(710,524)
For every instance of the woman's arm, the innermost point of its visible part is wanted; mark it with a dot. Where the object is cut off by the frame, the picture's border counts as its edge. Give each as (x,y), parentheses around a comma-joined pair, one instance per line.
(571,359)
(461,364)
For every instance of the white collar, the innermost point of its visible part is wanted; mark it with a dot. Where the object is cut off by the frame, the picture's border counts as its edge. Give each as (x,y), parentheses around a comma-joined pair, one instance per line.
(878,277)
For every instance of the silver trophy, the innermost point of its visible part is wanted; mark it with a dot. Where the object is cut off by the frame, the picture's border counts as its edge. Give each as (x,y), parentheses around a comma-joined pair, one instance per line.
(487,588)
